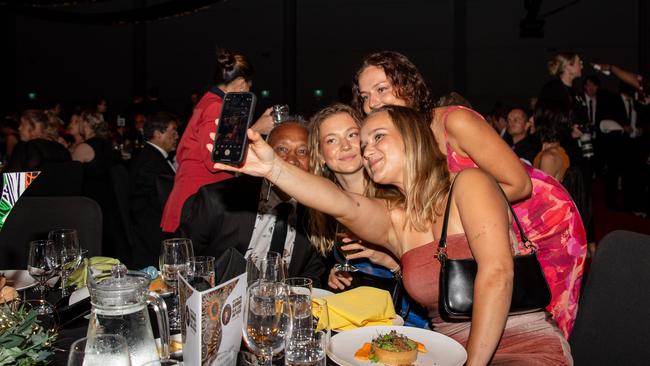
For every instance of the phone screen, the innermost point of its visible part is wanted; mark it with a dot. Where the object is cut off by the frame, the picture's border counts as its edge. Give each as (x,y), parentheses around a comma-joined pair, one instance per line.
(236,115)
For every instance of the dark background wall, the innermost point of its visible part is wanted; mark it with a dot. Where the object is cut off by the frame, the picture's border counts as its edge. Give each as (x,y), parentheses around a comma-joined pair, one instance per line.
(472,46)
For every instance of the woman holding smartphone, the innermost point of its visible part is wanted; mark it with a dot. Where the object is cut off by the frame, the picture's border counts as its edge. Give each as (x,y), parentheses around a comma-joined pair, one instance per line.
(544,207)
(234,73)
(400,152)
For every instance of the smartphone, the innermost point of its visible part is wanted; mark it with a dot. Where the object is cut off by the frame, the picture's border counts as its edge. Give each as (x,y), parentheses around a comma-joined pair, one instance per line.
(230,142)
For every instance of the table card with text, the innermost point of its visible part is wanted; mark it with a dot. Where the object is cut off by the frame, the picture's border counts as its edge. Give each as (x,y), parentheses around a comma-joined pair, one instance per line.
(212,322)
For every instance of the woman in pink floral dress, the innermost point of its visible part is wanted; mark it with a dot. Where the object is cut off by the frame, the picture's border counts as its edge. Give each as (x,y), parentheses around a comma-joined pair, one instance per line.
(546,210)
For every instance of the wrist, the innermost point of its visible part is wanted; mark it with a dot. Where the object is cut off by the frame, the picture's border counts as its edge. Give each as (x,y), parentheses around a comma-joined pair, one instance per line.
(274,173)
(397,271)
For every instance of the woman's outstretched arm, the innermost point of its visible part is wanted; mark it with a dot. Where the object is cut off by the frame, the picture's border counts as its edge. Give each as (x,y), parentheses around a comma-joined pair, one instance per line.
(366,217)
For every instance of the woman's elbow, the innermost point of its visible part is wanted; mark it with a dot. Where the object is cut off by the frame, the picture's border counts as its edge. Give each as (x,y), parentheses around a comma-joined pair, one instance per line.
(500,277)
(521,189)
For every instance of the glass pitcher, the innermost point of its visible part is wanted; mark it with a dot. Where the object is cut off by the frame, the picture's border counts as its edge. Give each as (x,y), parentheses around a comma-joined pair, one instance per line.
(119,301)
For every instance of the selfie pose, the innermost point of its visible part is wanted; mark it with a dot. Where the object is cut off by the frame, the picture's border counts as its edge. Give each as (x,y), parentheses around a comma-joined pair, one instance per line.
(400,152)
(549,216)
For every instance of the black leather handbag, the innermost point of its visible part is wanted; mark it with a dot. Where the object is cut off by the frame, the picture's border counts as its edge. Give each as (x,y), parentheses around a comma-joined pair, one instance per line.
(530,292)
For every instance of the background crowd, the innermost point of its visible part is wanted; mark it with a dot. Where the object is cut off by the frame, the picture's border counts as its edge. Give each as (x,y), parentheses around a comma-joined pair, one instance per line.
(150,185)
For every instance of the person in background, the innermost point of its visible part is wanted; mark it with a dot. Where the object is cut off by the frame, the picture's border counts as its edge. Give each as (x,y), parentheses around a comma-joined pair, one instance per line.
(74,130)
(551,124)
(234,73)
(497,118)
(243,212)
(401,152)
(38,146)
(522,142)
(9,137)
(468,141)
(96,154)
(145,204)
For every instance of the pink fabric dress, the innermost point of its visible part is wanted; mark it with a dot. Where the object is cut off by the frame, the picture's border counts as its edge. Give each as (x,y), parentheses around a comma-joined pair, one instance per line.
(552,222)
(528,339)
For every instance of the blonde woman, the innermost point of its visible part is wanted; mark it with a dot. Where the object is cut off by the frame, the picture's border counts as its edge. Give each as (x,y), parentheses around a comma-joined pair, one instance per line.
(37,147)
(400,151)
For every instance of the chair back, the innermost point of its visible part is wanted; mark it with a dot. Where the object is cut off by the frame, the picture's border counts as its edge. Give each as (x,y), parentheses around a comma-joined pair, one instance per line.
(33,217)
(613,322)
(58,179)
(122,189)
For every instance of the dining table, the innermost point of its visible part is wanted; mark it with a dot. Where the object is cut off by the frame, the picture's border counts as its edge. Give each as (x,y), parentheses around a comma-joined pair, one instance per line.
(71,324)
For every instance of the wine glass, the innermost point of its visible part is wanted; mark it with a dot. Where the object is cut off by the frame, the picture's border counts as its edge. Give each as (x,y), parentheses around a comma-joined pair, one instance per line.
(266,319)
(342,233)
(101,349)
(200,272)
(174,259)
(66,243)
(41,265)
(300,302)
(267,267)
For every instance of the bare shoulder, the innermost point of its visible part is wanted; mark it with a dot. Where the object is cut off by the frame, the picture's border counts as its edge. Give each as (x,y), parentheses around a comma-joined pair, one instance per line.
(83,153)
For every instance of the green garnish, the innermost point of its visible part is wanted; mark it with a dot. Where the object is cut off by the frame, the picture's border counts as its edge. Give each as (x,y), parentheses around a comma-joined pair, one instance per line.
(373,358)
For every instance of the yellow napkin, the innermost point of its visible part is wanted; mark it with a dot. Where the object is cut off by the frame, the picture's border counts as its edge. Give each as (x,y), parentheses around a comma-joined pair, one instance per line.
(78,277)
(360,307)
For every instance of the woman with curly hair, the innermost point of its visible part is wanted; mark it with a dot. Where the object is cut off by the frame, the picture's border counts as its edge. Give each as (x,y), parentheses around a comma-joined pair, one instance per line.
(399,151)
(550,217)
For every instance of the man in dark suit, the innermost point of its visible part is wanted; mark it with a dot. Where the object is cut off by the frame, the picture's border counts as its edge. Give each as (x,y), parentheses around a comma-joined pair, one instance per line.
(145,205)
(244,213)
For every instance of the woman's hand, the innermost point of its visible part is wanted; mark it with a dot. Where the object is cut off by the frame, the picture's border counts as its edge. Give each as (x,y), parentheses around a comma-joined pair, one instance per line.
(374,255)
(264,124)
(260,157)
(339,280)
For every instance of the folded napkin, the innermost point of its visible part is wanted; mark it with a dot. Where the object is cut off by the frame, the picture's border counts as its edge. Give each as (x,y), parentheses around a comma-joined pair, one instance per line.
(79,276)
(360,307)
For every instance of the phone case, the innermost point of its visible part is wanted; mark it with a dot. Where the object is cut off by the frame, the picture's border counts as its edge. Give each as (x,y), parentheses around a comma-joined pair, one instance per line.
(231,142)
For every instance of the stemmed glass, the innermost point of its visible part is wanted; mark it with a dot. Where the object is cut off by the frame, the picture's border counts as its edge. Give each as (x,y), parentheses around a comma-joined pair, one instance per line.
(102,349)
(66,243)
(41,265)
(266,319)
(342,233)
(267,267)
(175,255)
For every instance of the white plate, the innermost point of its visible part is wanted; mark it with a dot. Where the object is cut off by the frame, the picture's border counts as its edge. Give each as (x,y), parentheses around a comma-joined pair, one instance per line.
(19,279)
(319,292)
(441,350)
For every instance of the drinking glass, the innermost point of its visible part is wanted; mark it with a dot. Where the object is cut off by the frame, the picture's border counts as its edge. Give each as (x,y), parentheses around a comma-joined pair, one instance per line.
(300,302)
(342,233)
(66,242)
(100,350)
(41,265)
(266,319)
(265,267)
(305,347)
(174,259)
(200,272)
(321,320)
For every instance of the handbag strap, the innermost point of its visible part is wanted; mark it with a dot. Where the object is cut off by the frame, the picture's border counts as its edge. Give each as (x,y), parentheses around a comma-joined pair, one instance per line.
(441,253)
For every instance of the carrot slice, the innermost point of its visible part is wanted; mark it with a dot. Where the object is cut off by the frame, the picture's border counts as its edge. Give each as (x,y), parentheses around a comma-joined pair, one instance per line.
(421,347)
(363,352)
